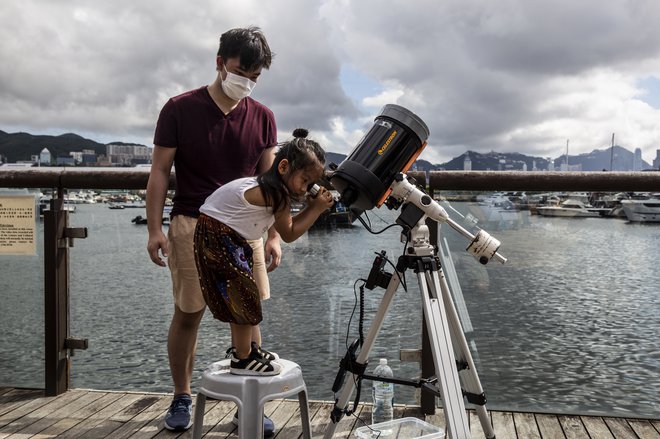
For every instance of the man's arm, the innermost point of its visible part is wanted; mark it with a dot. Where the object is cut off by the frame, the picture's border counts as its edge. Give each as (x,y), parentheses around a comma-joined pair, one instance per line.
(159,180)
(266,160)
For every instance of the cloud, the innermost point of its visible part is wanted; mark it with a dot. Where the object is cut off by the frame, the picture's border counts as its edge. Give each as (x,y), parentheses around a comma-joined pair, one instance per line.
(512,75)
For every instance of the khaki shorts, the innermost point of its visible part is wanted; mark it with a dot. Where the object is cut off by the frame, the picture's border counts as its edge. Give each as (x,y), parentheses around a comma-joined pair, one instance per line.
(185,281)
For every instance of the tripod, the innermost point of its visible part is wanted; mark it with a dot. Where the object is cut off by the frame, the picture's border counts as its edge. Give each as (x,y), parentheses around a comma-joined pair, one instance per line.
(451,355)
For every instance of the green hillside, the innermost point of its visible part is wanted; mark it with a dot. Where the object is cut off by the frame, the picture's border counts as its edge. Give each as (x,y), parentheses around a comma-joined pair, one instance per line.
(22,146)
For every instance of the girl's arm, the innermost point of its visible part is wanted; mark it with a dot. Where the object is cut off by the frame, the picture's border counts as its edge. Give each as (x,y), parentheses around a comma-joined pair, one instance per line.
(291,228)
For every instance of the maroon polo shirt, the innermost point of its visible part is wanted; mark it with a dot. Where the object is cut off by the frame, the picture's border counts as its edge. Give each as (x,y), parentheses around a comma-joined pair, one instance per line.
(212,148)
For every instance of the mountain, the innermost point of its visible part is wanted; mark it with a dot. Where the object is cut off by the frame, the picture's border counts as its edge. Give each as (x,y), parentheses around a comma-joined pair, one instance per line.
(596,160)
(22,146)
(617,158)
(495,161)
(333,157)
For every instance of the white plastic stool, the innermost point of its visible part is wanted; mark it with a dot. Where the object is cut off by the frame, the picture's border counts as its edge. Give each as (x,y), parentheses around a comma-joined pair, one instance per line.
(250,393)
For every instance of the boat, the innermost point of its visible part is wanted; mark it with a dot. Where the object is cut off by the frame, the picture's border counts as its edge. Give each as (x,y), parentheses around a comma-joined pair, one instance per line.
(134,205)
(337,216)
(44,206)
(642,210)
(143,220)
(115,206)
(572,209)
(497,199)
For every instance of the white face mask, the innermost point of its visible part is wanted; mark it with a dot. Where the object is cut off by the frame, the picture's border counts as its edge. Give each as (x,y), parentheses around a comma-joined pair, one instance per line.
(237,87)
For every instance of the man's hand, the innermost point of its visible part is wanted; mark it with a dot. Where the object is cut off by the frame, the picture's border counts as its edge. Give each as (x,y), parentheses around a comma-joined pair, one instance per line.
(157,243)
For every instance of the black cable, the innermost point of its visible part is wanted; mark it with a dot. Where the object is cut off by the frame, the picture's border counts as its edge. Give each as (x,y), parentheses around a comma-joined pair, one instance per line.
(348,329)
(361,320)
(402,280)
(380,231)
(355,303)
(373,430)
(368,219)
(357,381)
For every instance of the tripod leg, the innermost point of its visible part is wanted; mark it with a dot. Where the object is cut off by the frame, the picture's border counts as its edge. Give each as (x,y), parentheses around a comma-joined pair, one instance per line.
(363,356)
(471,382)
(443,356)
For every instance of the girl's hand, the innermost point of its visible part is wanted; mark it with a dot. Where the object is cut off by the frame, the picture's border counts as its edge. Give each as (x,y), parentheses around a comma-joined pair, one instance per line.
(322,201)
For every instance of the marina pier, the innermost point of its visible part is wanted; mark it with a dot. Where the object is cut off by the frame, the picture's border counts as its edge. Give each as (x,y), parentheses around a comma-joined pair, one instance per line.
(97,414)
(84,318)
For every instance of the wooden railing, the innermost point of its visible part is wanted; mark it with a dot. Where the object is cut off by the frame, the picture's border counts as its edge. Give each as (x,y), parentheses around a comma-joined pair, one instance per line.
(136,178)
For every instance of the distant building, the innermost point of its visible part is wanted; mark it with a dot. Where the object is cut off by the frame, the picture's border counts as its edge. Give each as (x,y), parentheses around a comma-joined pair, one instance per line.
(570,168)
(77,157)
(524,167)
(44,157)
(88,157)
(637,160)
(127,154)
(65,161)
(534,168)
(656,161)
(467,163)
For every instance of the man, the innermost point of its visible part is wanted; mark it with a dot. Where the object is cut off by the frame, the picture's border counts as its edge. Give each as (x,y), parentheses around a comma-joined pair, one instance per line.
(212,135)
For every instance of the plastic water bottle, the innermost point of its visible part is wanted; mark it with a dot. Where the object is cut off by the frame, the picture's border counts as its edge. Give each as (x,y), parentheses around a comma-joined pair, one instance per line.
(383,395)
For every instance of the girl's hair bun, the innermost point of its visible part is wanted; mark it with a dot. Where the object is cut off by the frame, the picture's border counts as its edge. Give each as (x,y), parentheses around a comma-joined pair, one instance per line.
(300,132)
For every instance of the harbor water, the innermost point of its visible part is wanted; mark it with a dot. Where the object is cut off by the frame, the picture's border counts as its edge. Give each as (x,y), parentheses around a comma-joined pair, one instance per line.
(570,324)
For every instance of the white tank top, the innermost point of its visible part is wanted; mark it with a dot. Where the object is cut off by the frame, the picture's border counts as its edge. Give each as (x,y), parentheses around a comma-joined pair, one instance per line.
(229,206)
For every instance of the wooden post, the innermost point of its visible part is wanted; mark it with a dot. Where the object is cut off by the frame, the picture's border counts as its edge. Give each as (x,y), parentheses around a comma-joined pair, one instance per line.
(56,267)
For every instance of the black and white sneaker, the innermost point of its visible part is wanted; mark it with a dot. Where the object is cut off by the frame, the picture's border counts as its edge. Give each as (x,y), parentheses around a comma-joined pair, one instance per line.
(270,356)
(254,364)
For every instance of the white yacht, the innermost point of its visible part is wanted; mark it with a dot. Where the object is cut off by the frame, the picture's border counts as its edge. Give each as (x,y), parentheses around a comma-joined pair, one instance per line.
(644,211)
(573,209)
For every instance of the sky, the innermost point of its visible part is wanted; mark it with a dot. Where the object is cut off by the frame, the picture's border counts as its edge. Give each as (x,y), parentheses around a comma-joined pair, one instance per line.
(508,76)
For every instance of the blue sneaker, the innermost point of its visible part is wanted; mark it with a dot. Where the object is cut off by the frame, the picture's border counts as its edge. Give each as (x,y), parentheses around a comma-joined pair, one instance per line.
(178,417)
(269,425)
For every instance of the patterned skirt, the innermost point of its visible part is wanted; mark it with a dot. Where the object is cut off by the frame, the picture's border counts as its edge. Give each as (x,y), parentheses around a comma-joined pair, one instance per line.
(224,264)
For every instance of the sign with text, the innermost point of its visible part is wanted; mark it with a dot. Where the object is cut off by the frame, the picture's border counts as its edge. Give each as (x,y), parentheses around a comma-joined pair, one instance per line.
(18,235)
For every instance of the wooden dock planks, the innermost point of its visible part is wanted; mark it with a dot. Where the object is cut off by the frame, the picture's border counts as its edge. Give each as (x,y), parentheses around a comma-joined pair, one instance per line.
(92,414)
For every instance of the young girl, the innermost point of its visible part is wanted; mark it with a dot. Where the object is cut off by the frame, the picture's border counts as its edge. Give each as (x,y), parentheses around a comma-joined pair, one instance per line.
(245,209)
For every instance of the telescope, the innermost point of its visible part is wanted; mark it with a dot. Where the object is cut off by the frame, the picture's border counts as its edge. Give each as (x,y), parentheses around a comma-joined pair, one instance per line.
(373,174)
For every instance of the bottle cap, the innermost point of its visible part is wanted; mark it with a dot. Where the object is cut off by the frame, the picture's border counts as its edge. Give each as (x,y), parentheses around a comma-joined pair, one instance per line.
(383,361)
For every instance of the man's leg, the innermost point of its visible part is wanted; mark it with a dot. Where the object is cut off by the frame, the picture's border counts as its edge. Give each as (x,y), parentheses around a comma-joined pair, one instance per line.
(181,348)
(188,302)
